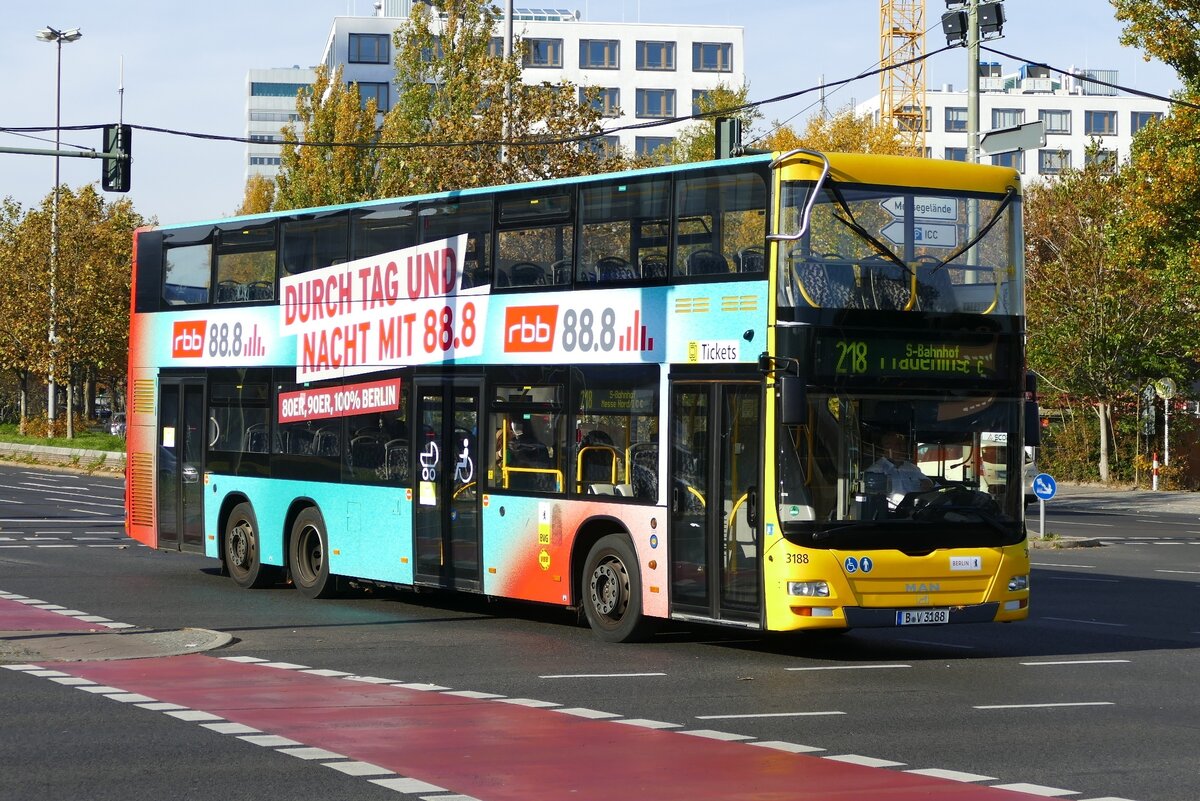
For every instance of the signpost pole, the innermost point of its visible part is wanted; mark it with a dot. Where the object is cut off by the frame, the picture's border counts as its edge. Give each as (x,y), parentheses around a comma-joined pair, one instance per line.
(1044,488)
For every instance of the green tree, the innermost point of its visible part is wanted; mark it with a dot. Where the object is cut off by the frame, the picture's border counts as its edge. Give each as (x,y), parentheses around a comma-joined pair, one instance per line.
(340,170)
(1099,321)
(698,141)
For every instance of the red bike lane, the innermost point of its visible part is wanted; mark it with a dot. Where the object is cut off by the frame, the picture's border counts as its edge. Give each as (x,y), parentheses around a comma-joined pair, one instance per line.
(488,748)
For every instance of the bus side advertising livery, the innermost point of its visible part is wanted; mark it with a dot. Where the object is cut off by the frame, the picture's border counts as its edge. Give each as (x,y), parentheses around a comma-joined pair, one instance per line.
(779,392)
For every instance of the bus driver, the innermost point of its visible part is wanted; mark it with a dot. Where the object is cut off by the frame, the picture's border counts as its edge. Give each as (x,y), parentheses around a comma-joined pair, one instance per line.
(903,476)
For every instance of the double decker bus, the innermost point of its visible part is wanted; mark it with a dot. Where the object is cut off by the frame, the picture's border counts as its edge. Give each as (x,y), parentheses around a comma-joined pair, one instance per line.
(649,395)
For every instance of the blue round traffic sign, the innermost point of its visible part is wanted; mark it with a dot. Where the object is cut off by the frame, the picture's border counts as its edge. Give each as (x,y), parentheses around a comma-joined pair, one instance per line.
(1044,486)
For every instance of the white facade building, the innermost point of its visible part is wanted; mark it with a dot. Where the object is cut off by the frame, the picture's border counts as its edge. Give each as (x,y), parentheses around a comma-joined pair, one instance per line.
(1075,113)
(646,71)
(270,104)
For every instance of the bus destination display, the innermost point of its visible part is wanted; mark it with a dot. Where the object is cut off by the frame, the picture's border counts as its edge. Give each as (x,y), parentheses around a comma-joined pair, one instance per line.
(898,356)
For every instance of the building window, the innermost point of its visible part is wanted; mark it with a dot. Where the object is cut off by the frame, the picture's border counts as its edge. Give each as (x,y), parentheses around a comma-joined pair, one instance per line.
(1107,159)
(496,47)
(262,89)
(599,54)
(368,48)
(1052,162)
(712,57)
(697,96)
(656,103)
(265,161)
(1007,117)
(265,138)
(956,119)
(1139,119)
(428,54)
(274,116)
(606,146)
(376,91)
(543,52)
(656,55)
(649,145)
(956,154)
(1016,160)
(607,100)
(1057,121)
(1099,123)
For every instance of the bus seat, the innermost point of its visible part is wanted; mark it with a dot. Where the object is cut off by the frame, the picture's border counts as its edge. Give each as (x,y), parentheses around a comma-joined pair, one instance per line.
(623,490)
(886,285)
(560,271)
(395,459)
(750,260)
(602,489)
(256,439)
(934,290)
(325,442)
(230,291)
(706,262)
(366,452)
(526,273)
(654,266)
(614,268)
(261,290)
(827,284)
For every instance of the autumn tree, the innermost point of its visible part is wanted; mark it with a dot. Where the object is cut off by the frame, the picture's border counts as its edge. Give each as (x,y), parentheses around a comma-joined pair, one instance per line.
(259,196)
(1168,30)
(92,290)
(451,87)
(340,165)
(842,132)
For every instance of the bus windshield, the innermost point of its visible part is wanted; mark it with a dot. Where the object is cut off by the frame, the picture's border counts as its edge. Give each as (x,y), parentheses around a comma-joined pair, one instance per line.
(902,249)
(903,469)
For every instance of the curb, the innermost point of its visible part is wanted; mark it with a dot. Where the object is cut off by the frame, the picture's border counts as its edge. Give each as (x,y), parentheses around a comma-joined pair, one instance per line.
(87,646)
(1057,543)
(76,458)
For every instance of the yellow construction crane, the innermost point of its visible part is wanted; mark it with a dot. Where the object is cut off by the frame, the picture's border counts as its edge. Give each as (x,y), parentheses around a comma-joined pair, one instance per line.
(902,88)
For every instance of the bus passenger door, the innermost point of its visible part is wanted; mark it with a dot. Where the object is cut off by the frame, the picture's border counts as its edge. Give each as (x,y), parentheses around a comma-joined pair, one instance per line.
(180,459)
(447,502)
(716,541)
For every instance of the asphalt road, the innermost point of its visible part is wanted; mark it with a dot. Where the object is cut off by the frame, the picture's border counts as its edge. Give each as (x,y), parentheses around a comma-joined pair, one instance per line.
(1089,699)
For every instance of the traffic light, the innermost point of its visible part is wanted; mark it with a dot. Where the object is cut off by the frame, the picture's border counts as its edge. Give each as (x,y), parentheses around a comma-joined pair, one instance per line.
(114,174)
(729,136)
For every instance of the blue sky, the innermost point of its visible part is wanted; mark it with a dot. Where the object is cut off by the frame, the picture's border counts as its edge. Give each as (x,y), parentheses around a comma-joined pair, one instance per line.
(185,68)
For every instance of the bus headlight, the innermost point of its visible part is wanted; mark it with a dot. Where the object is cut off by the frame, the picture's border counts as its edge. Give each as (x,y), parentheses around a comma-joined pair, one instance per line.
(808,589)
(1018,583)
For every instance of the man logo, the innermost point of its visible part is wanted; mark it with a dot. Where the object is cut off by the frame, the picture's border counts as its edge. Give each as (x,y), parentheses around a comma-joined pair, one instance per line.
(530,329)
(187,340)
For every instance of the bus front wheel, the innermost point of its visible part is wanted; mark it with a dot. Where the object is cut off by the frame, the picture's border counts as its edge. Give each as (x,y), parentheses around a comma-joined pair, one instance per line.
(308,555)
(612,591)
(242,549)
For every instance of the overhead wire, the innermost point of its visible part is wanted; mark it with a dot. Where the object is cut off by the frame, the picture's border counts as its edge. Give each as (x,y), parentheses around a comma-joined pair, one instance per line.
(544,141)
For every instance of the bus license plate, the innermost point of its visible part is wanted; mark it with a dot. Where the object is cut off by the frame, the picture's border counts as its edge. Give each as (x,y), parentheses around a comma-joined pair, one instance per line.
(922,617)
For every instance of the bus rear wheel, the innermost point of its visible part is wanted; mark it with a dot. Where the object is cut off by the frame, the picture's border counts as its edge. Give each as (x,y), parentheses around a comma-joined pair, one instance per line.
(242,549)
(612,591)
(308,555)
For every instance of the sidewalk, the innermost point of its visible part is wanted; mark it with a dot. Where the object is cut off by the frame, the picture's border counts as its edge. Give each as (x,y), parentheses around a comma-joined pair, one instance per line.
(1098,498)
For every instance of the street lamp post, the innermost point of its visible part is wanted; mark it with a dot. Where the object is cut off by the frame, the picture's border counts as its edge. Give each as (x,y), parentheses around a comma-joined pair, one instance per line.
(49,34)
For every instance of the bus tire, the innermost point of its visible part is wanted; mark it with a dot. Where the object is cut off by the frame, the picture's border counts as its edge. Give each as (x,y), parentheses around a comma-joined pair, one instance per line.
(308,555)
(612,591)
(243,550)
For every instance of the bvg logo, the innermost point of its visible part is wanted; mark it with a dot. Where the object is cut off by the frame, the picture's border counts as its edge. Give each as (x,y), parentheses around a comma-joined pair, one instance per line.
(187,340)
(529,329)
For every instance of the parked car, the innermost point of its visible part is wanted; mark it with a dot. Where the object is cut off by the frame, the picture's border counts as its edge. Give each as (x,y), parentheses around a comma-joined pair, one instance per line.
(117,427)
